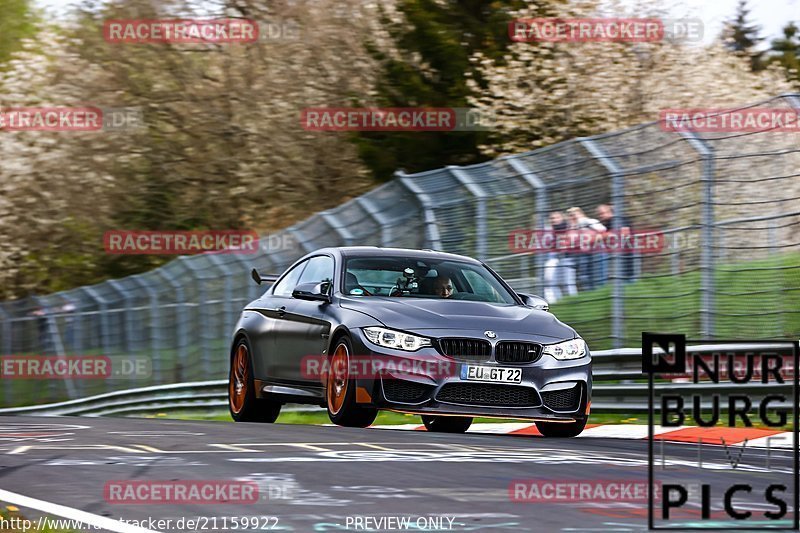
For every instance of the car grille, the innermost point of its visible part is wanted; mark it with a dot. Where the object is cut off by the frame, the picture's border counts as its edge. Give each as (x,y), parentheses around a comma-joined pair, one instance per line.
(471,350)
(563,400)
(517,352)
(488,394)
(399,390)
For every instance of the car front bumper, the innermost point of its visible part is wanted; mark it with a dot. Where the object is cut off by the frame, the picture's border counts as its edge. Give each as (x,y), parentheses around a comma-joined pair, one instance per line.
(426,382)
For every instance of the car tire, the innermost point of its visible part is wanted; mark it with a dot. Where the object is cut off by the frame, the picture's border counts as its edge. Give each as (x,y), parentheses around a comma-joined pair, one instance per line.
(340,390)
(243,404)
(561,429)
(447,424)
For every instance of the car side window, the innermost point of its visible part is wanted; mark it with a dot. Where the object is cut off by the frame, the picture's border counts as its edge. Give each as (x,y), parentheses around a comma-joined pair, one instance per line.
(287,284)
(479,285)
(319,269)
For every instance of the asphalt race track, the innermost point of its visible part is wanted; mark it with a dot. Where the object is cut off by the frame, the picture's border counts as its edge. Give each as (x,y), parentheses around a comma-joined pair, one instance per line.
(319,478)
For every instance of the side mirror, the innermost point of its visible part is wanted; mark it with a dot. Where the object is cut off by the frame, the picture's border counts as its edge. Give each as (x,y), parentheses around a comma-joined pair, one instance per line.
(315,292)
(536,302)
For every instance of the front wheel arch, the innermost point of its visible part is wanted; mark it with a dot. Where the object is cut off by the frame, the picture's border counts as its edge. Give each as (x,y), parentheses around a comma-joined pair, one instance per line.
(348,413)
(243,404)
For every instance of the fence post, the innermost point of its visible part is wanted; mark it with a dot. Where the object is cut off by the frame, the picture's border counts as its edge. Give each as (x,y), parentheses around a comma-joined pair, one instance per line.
(542,207)
(431,225)
(480,209)
(58,349)
(227,298)
(180,321)
(155,324)
(793,99)
(373,211)
(8,394)
(331,220)
(707,234)
(128,314)
(618,201)
(103,318)
(301,240)
(203,313)
(249,263)
(6,330)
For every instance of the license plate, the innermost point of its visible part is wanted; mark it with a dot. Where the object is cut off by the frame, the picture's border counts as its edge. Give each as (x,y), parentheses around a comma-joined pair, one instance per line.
(494,374)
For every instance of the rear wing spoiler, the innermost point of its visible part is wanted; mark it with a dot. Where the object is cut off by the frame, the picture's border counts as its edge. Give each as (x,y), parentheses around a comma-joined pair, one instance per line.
(269,278)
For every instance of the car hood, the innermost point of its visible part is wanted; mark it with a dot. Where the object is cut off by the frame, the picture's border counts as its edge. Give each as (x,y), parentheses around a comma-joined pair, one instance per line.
(425,315)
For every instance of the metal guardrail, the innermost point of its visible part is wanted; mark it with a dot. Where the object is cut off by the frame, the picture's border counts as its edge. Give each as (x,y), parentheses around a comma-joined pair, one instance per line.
(623,365)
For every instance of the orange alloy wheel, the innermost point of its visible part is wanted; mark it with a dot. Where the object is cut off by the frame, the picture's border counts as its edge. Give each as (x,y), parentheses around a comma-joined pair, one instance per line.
(337,378)
(240,376)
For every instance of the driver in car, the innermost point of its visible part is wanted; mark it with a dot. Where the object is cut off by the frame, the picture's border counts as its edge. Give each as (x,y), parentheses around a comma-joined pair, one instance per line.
(443,287)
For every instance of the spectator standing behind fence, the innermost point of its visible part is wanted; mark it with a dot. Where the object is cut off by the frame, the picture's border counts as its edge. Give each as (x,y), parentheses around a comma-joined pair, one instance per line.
(591,264)
(559,267)
(622,225)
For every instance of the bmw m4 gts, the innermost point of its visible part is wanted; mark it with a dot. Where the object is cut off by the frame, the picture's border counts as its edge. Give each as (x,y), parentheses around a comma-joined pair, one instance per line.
(360,329)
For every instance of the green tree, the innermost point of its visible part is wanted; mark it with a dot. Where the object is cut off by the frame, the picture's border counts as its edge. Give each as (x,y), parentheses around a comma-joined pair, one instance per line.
(785,51)
(17,21)
(742,37)
(435,41)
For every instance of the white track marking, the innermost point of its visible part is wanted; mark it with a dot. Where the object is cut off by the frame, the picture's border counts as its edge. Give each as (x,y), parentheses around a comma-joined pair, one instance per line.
(69,513)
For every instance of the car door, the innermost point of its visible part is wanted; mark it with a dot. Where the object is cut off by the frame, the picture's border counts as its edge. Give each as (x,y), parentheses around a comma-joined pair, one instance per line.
(273,307)
(306,326)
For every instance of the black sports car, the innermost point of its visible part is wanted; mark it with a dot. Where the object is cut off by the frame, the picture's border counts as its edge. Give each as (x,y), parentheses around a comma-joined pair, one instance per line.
(359,329)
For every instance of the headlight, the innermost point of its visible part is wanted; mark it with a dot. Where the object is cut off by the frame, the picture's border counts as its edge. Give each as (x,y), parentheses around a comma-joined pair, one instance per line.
(574,349)
(390,338)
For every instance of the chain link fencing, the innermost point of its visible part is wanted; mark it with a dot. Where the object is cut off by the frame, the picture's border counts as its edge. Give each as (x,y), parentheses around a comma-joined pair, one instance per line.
(724,205)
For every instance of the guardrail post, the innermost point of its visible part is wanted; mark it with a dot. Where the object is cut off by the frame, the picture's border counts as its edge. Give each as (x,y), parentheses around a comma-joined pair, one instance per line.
(480,209)
(707,235)
(542,206)
(374,211)
(431,224)
(618,201)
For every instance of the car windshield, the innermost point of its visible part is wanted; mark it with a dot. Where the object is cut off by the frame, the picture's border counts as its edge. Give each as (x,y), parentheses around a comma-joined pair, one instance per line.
(416,277)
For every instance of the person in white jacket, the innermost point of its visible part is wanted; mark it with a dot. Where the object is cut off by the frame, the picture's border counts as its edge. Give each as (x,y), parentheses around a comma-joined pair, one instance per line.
(559,266)
(590,263)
